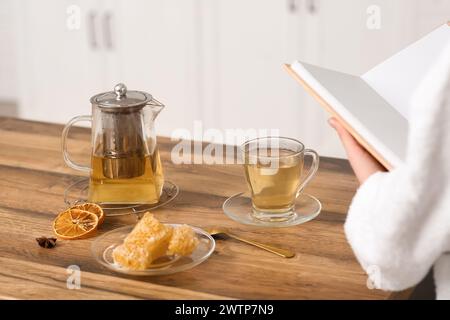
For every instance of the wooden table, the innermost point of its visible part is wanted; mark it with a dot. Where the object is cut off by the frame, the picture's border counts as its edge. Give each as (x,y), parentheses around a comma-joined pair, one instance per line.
(33,180)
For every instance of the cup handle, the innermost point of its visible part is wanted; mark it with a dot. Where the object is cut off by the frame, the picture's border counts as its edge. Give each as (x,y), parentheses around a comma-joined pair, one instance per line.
(65,133)
(312,169)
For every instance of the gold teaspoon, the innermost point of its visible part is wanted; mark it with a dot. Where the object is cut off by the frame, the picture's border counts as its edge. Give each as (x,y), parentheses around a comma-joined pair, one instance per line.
(278,251)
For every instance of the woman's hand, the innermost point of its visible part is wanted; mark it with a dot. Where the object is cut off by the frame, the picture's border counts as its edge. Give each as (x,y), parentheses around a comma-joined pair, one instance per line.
(362,162)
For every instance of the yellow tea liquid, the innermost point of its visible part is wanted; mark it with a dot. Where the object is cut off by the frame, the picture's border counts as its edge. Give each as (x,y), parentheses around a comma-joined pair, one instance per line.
(137,179)
(274,188)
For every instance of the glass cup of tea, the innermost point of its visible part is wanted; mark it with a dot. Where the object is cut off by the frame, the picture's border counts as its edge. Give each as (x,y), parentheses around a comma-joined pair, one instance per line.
(273,169)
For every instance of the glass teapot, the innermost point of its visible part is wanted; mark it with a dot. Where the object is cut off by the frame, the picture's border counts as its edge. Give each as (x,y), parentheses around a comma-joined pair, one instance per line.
(125,163)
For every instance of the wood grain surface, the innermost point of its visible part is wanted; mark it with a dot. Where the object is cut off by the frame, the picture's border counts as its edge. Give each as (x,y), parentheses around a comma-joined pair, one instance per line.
(33,180)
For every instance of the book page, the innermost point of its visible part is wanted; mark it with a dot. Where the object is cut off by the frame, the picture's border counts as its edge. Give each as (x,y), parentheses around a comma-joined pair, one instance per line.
(371,116)
(397,78)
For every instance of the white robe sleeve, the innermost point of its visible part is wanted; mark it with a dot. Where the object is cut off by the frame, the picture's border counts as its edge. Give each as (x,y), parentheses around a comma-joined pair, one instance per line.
(395,236)
(398,223)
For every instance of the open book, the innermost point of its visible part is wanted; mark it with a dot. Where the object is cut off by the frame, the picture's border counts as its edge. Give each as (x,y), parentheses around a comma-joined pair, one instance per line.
(375,107)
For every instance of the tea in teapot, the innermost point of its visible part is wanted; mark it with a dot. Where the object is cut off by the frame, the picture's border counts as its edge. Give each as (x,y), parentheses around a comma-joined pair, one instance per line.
(125,162)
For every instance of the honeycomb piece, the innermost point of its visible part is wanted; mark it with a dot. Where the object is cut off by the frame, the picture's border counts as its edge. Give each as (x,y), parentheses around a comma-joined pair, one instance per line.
(183,242)
(148,241)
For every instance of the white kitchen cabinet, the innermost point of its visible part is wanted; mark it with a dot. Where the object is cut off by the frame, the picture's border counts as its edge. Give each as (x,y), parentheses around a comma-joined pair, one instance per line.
(59,67)
(345,43)
(156,43)
(8,63)
(149,45)
(245,86)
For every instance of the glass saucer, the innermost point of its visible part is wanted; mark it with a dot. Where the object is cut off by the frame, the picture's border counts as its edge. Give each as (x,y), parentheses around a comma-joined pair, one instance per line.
(77,192)
(239,208)
(103,246)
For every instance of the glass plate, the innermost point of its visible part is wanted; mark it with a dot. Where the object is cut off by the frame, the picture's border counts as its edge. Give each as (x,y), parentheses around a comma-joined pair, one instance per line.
(239,208)
(103,246)
(76,193)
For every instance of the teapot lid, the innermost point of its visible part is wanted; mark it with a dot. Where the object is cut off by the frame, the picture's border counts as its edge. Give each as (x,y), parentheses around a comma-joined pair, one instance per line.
(121,98)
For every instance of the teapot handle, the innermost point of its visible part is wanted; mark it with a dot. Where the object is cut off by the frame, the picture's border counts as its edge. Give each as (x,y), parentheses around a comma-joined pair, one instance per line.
(65,133)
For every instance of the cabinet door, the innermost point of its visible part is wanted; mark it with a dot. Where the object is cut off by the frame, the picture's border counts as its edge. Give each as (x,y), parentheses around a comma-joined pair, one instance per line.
(156,45)
(60,63)
(347,40)
(245,86)
(8,63)
(431,14)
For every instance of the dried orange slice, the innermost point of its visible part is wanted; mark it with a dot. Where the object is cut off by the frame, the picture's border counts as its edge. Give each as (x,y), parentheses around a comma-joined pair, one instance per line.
(93,208)
(75,224)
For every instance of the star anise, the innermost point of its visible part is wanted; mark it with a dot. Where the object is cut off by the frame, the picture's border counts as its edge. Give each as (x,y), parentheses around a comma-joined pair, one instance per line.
(46,243)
